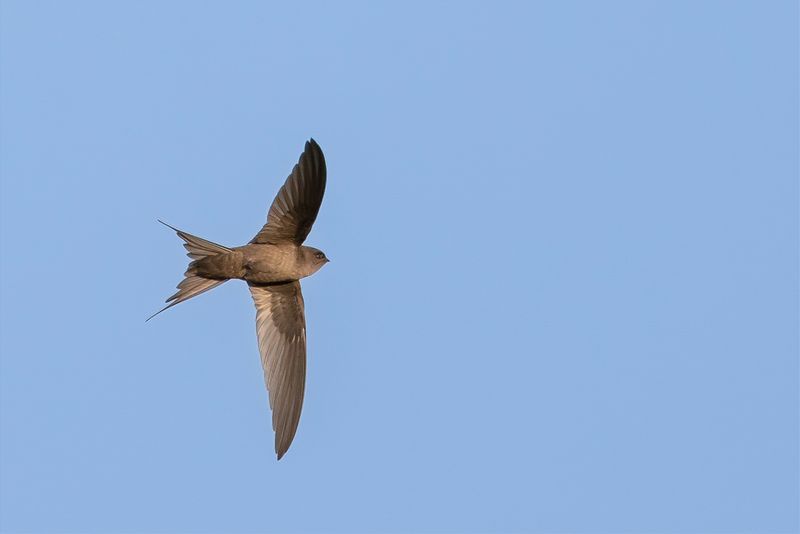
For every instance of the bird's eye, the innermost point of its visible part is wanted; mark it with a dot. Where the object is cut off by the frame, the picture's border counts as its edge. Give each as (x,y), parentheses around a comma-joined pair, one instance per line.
(319,255)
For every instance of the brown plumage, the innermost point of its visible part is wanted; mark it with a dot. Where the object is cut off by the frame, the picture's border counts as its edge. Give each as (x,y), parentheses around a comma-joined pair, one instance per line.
(272,264)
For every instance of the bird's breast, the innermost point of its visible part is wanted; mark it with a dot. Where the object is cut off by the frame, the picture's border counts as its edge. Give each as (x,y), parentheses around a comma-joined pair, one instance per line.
(269,263)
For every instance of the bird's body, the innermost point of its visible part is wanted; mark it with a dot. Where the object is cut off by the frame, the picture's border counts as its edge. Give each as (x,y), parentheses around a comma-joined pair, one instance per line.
(260,264)
(272,264)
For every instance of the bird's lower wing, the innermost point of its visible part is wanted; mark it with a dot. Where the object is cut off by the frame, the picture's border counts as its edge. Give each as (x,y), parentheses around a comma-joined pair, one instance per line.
(281,330)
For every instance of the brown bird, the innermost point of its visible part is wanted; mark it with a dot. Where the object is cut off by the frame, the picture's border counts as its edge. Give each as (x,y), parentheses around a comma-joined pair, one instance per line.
(272,265)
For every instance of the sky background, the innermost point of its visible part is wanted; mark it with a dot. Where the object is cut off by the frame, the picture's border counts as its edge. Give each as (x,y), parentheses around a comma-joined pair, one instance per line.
(563,294)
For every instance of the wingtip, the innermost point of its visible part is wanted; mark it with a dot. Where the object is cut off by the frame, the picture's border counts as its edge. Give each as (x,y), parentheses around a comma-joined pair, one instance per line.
(280,451)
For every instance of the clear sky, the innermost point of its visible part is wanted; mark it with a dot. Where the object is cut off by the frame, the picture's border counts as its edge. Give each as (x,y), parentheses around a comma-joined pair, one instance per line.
(563,294)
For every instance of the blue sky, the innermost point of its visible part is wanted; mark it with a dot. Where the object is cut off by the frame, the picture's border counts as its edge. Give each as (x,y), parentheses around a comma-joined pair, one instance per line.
(563,295)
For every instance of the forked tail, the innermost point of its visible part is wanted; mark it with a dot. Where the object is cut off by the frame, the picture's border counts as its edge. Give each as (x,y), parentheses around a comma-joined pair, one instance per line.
(193,284)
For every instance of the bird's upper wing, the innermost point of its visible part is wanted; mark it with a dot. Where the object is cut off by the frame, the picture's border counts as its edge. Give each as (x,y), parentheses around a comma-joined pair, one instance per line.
(281,329)
(297,203)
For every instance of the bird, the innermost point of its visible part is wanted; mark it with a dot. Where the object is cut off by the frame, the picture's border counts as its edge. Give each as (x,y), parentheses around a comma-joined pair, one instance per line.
(272,264)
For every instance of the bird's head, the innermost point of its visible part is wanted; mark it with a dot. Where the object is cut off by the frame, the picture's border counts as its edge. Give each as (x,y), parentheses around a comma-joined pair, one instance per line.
(314,259)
